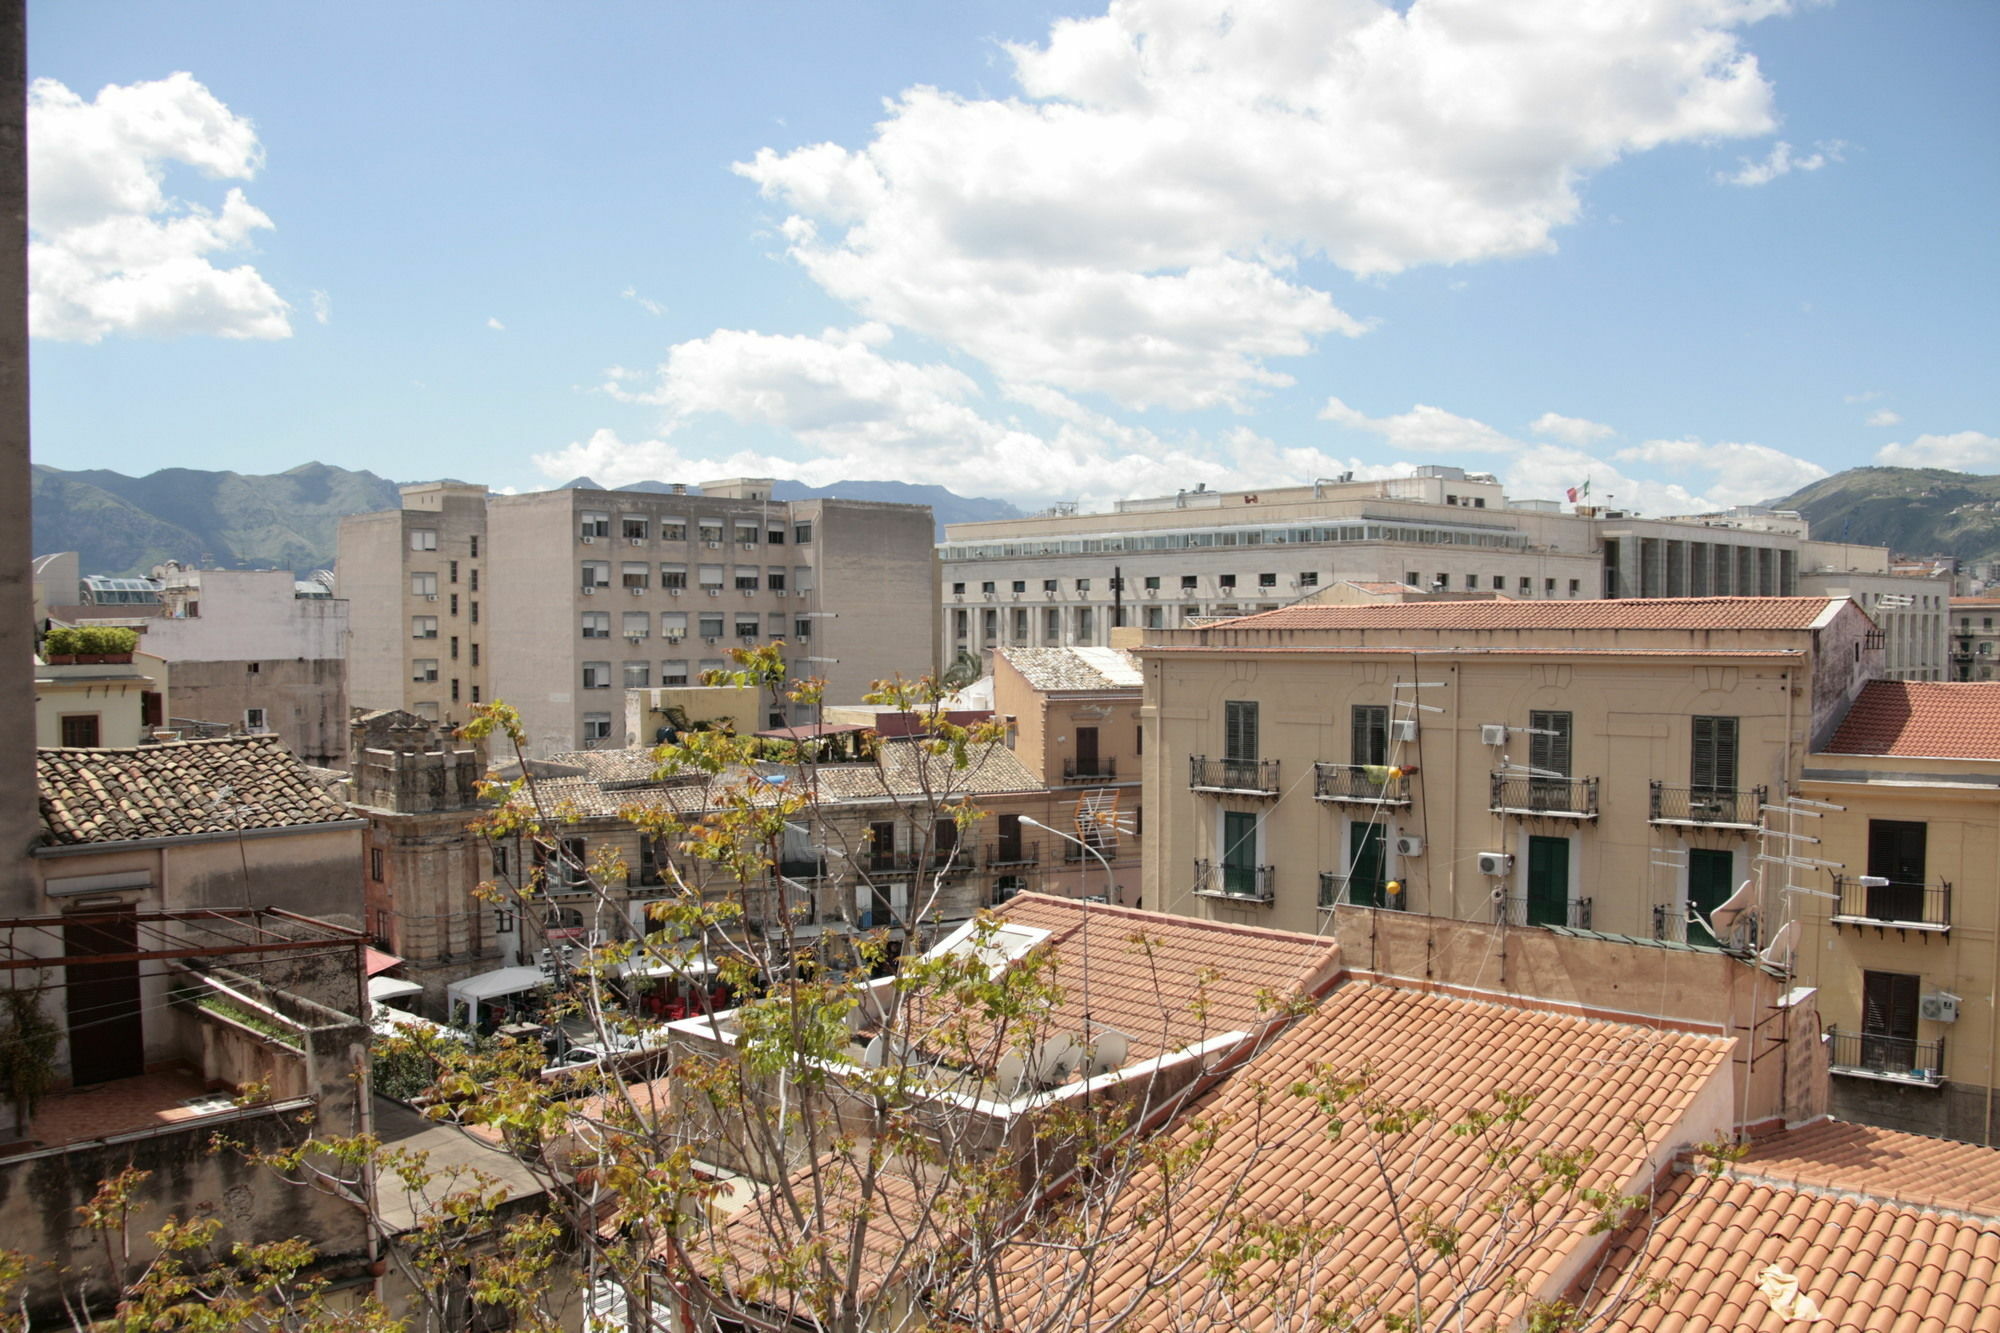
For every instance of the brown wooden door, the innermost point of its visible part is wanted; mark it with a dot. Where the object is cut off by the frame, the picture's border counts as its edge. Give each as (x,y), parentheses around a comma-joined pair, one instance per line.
(107,1033)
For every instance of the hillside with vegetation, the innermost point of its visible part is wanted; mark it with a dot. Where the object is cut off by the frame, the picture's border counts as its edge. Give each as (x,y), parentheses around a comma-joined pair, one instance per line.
(1913,511)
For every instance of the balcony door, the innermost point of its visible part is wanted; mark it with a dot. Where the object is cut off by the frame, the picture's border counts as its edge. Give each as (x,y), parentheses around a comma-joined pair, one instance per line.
(1239,853)
(1007,847)
(1896,850)
(1365,864)
(1889,1020)
(1549,753)
(1548,881)
(107,1033)
(1711,873)
(1086,751)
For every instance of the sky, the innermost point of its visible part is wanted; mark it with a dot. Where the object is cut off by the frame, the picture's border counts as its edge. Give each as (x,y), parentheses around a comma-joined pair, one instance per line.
(1693,253)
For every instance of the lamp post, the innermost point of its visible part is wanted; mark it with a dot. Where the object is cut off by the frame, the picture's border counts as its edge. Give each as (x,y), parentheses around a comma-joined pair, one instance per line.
(1110,885)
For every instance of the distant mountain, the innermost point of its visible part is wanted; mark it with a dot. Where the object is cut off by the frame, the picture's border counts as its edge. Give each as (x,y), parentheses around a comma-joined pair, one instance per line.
(126,525)
(946,506)
(1913,511)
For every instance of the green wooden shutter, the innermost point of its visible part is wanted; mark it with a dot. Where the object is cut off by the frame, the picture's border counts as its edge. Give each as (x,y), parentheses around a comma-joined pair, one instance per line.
(1240,729)
(1550,752)
(1371,734)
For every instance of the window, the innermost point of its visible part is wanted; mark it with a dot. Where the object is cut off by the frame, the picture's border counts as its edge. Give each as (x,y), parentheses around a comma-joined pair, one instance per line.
(673,577)
(710,575)
(638,624)
(1267,580)
(987,587)
(1020,585)
(1896,852)
(634,575)
(1052,626)
(426,709)
(1471,582)
(596,624)
(1443,580)
(1371,734)
(1239,730)
(1083,585)
(1188,582)
(81,731)
(423,627)
(673,624)
(454,689)
(474,613)
(1152,582)
(1549,587)
(1527,586)
(1308,579)
(802,533)
(638,675)
(774,536)
(474,552)
(454,647)
(375,864)
(748,627)
(802,579)
(958,590)
(424,670)
(1018,630)
(596,727)
(774,578)
(1714,756)
(673,530)
(1549,747)
(1412,578)
(593,523)
(1085,625)
(424,585)
(802,628)
(473,579)
(475,694)
(711,626)
(152,709)
(632,527)
(1889,1020)
(597,574)
(423,539)
(746,578)
(597,675)
(1225,581)
(1049,585)
(709,530)
(475,662)
(746,534)
(454,604)
(776,622)
(454,571)
(674,672)
(1575,587)
(1239,853)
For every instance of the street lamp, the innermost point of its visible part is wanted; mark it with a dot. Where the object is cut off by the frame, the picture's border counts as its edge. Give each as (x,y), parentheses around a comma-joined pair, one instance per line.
(1110,884)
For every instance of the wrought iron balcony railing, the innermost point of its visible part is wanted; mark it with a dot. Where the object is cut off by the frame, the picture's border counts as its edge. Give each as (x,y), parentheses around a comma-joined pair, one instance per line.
(1337,890)
(1360,784)
(1528,912)
(1555,798)
(1021,853)
(1900,1059)
(1257,777)
(1090,770)
(1710,806)
(1901,903)
(1215,880)
(1106,848)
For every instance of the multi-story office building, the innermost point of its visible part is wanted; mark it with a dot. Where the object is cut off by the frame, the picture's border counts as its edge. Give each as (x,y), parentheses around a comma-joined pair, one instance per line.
(558,601)
(412,579)
(1975,637)
(1068,579)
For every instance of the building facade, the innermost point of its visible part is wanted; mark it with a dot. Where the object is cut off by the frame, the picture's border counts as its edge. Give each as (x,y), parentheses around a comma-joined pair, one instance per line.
(1069,579)
(1598,765)
(1975,637)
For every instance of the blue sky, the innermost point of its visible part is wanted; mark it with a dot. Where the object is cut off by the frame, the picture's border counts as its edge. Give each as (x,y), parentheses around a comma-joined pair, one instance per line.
(1696,251)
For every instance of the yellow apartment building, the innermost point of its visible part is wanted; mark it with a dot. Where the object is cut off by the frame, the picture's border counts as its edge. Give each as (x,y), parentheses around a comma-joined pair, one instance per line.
(1589,764)
(1903,949)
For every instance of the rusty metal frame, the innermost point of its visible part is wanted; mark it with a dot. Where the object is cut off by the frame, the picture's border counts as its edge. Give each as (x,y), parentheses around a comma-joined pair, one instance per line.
(324,934)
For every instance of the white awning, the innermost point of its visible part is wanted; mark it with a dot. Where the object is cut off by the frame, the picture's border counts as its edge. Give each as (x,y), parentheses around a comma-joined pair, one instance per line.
(501,981)
(391,988)
(653,965)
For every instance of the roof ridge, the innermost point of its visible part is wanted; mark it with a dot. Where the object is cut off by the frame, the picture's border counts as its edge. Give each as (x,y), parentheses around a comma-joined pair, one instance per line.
(1202,923)
(1797,1184)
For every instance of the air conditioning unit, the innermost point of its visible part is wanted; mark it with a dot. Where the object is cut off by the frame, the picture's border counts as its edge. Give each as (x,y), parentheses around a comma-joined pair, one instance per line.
(590,590)
(673,592)
(430,597)
(748,592)
(675,638)
(748,638)
(1492,733)
(1409,844)
(1939,1007)
(777,592)
(713,592)
(636,590)
(636,541)
(635,634)
(748,546)
(1050,593)
(1403,729)
(1152,592)
(710,638)
(1496,863)
(714,545)
(588,539)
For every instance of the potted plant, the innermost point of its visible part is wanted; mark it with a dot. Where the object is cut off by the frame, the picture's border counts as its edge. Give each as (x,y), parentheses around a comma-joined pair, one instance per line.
(90,644)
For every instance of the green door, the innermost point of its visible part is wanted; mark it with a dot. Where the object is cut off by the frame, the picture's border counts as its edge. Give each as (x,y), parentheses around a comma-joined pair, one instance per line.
(1364,865)
(1710,873)
(1548,881)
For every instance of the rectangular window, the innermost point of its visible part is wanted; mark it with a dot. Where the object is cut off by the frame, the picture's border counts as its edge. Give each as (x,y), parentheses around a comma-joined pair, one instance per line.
(1897,851)
(474,552)
(710,575)
(1019,630)
(454,570)
(1020,586)
(802,579)
(673,530)
(802,628)
(1575,587)
(596,727)
(593,523)
(423,539)
(152,710)
(1269,580)
(475,662)
(632,527)
(423,627)
(802,533)
(1714,756)
(774,578)
(774,536)
(958,590)
(1086,627)
(634,575)
(674,672)
(748,627)
(638,675)
(1471,582)
(596,624)
(597,675)
(673,577)
(1371,734)
(1239,730)
(709,530)
(746,578)
(475,694)
(746,534)
(1239,853)
(596,574)
(423,585)
(472,576)
(1152,582)
(673,624)
(1225,581)
(1189,582)
(1442,581)
(1548,747)
(711,627)
(454,604)
(1049,585)
(987,587)
(1889,1020)
(454,689)
(473,613)
(638,624)
(375,864)
(1527,586)
(81,731)
(454,647)
(1549,587)
(775,622)
(1308,579)
(1414,579)
(424,670)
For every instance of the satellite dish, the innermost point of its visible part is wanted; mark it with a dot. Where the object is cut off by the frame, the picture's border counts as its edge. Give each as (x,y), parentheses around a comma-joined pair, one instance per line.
(875,1051)
(1778,953)
(1057,1060)
(1008,1073)
(1724,918)
(1109,1051)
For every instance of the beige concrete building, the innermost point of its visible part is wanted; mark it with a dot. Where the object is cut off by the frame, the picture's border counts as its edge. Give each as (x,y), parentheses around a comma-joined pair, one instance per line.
(411,578)
(1594,764)
(1068,579)
(558,601)
(115,702)
(1975,637)
(1902,947)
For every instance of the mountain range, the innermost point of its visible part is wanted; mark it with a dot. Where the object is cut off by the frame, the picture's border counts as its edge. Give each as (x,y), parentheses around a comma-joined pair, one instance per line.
(291,520)
(1913,511)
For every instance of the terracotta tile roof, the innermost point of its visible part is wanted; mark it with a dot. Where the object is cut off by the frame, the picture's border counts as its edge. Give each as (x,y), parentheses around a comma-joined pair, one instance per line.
(1908,1168)
(1381,589)
(1168,982)
(1726,1250)
(1074,669)
(1619,1089)
(1636,613)
(627,764)
(178,788)
(1928,718)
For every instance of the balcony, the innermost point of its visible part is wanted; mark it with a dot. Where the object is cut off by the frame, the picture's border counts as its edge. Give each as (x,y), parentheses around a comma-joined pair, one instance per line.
(890,863)
(1888,1059)
(1246,883)
(1359,784)
(1240,777)
(1335,891)
(1899,904)
(1012,853)
(1105,847)
(1526,912)
(1671,926)
(1546,798)
(1706,807)
(951,860)
(1090,770)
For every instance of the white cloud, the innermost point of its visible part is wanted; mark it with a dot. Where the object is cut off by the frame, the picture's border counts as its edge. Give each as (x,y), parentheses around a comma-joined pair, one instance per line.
(1964,451)
(322,307)
(1424,429)
(646,304)
(1865,396)
(110,251)
(1548,471)
(1575,431)
(1737,473)
(1133,223)
(1780,161)
(1885,417)
(493,322)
